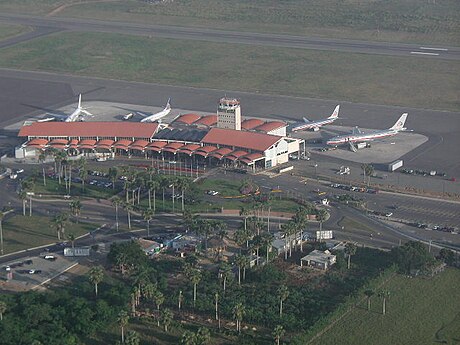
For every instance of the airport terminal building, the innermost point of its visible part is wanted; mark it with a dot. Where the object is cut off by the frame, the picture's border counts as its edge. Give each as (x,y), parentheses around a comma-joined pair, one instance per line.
(189,136)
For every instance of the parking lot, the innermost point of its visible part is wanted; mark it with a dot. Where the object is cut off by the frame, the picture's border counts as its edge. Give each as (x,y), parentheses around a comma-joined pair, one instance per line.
(31,272)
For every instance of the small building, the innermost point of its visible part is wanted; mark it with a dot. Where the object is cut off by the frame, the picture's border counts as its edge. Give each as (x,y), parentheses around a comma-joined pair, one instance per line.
(150,247)
(185,243)
(76,251)
(319,259)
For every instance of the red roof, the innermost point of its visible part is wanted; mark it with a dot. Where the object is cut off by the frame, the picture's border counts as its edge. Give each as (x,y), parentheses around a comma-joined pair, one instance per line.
(270,126)
(173,147)
(122,144)
(188,119)
(220,152)
(89,129)
(235,155)
(156,146)
(208,120)
(139,145)
(58,142)
(205,150)
(251,123)
(37,142)
(87,144)
(105,144)
(251,157)
(190,148)
(73,143)
(241,139)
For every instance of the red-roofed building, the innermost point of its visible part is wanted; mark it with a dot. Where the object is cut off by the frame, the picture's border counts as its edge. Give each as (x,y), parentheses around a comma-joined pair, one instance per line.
(207,121)
(240,139)
(273,127)
(188,119)
(251,123)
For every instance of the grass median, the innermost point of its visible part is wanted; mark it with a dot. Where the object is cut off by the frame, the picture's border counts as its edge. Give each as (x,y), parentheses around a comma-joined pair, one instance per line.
(403,81)
(23,232)
(7,31)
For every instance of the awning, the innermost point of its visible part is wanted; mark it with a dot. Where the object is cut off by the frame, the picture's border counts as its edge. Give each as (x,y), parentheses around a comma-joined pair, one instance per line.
(220,153)
(205,150)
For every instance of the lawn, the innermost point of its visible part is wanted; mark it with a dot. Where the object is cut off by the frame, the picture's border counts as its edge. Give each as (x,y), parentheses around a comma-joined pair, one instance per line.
(22,232)
(419,311)
(349,224)
(326,75)
(7,31)
(397,21)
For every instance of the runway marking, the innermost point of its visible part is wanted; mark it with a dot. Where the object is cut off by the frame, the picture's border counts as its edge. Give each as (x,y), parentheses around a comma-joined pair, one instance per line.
(430,48)
(423,53)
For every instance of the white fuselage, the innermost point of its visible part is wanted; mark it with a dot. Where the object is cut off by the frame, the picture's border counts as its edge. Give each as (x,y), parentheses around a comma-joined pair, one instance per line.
(74,116)
(157,116)
(311,125)
(361,137)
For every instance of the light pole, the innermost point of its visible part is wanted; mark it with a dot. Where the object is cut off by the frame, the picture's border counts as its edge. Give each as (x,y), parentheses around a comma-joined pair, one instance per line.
(316,170)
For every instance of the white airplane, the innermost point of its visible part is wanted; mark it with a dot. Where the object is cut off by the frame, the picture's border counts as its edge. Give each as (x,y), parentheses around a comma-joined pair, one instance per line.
(77,115)
(315,125)
(358,136)
(157,116)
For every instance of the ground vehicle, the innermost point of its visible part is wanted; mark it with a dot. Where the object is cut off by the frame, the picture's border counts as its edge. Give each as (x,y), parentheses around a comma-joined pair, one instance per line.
(128,116)
(50,257)
(212,192)
(19,171)
(343,170)
(13,176)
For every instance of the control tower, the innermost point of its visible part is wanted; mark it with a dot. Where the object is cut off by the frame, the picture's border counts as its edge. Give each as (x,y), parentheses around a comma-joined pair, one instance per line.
(229,114)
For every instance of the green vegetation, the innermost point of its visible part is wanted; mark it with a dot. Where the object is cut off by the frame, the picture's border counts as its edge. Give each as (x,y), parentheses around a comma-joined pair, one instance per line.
(408,21)
(7,31)
(22,232)
(351,224)
(376,79)
(419,311)
(30,6)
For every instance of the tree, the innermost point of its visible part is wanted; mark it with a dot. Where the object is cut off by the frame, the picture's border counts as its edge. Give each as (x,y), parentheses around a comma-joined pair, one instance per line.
(195,278)
(3,308)
(128,208)
(95,275)
(278,332)
(283,294)
(350,249)
(166,318)
(445,255)
(242,236)
(75,208)
(159,299)
(180,299)
(203,336)
(113,175)
(122,320)
(132,338)
(384,294)
(2,215)
(183,184)
(369,294)
(188,338)
(42,158)
(152,185)
(71,238)
(368,170)
(286,230)
(238,313)
(256,243)
(116,201)
(412,256)
(58,222)
(321,217)
(23,197)
(244,212)
(267,240)
(225,272)
(242,262)
(148,215)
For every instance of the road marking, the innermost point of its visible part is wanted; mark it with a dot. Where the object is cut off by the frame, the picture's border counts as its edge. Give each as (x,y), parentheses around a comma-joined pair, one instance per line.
(423,53)
(430,48)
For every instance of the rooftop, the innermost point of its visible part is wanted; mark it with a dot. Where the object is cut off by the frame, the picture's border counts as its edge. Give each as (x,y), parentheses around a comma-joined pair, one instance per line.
(241,139)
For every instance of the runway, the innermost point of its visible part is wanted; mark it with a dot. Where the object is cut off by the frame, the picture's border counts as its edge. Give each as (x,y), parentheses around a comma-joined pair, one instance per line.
(26,94)
(237,37)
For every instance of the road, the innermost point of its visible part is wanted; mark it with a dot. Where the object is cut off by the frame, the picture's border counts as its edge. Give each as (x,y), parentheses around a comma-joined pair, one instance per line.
(237,37)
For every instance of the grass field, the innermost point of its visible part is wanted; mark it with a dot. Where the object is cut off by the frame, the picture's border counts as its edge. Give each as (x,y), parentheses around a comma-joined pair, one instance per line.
(22,232)
(393,20)
(419,311)
(7,31)
(327,75)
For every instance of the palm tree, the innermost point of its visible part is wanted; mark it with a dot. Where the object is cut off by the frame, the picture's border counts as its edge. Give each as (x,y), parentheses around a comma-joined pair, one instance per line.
(300,219)
(350,249)
(23,196)
(183,184)
(203,336)
(242,236)
(132,338)
(180,299)
(116,201)
(368,170)
(148,215)
(71,238)
(122,320)
(59,222)
(283,294)
(159,299)
(369,294)
(2,309)
(42,158)
(286,230)
(164,182)
(113,175)
(128,208)
(241,261)
(2,215)
(384,294)
(278,332)
(95,275)
(225,272)
(267,240)
(75,208)
(255,245)
(244,212)
(83,174)
(195,278)
(166,318)
(188,338)
(238,313)
(321,217)
(152,185)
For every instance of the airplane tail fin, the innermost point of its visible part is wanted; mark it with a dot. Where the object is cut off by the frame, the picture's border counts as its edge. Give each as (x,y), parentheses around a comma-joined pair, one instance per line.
(399,125)
(306,120)
(168,104)
(79,101)
(335,114)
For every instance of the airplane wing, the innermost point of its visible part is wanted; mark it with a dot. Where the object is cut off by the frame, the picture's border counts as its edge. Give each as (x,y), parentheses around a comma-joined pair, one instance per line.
(58,117)
(87,113)
(356,130)
(140,113)
(306,120)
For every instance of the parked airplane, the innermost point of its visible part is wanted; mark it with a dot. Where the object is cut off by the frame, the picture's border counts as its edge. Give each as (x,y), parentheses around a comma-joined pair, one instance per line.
(157,116)
(77,115)
(358,136)
(315,125)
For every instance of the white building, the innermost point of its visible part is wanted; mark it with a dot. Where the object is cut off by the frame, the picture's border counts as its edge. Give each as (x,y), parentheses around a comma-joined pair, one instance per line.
(319,259)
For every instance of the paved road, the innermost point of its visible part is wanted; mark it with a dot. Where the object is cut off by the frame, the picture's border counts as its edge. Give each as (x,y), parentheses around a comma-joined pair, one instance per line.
(221,36)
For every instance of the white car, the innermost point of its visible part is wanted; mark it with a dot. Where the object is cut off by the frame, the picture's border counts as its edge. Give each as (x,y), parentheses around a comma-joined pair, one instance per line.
(212,192)
(19,171)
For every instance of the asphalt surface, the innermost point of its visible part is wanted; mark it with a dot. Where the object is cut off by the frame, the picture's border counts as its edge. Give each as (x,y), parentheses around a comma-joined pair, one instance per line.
(31,93)
(221,36)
